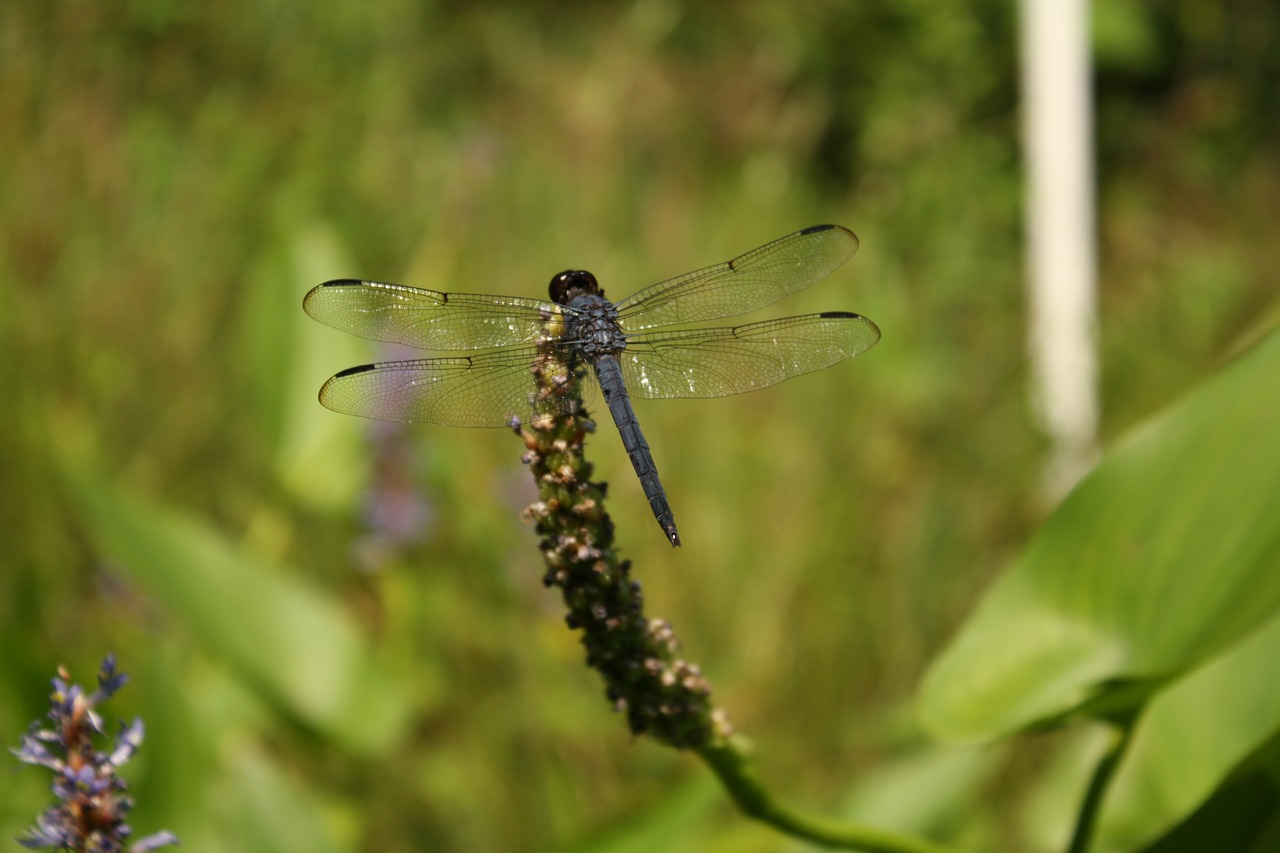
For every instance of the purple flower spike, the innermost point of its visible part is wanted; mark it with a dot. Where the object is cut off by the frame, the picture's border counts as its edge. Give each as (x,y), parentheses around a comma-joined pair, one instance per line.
(92,806)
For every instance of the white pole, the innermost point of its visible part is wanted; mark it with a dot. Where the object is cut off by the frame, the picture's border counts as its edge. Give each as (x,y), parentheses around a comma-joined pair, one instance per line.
(1058,136)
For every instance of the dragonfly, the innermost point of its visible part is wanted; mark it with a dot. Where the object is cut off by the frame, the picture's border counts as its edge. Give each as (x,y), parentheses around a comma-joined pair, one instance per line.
(627,344)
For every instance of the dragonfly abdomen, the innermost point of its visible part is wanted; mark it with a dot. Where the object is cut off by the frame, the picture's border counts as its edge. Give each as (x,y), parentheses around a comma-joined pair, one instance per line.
(609,373)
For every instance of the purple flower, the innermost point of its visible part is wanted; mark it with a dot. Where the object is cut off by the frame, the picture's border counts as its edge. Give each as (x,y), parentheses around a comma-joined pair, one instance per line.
(92,806)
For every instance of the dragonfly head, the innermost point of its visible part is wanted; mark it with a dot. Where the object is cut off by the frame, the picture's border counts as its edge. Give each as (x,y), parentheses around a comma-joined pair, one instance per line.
(573,283)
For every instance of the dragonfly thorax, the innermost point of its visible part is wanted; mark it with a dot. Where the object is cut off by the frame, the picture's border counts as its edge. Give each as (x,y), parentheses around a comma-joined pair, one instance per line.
(591,320)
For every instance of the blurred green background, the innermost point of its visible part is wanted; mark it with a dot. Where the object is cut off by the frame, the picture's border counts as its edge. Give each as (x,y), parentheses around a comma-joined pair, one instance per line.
(336,629)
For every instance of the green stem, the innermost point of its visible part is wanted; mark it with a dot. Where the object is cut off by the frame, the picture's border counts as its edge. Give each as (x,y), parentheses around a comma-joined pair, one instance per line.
(732,762)
(1120,737)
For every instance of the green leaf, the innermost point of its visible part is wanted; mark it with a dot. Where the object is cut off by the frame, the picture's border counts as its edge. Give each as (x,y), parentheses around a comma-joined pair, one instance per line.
(1165,555)
(1242,817)
(927,792)
(274,812)
(281,634)
(1191,739)
(322,457)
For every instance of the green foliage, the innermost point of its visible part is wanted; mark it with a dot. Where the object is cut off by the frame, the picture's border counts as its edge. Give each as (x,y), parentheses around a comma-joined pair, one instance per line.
(284,636)
(1161,559)
(175,176)
(1150,598)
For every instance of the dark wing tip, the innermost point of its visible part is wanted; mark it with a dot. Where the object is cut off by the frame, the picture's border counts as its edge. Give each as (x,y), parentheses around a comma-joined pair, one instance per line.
(352,371)
(867,322)
(314,292)
(334,386)
(818,229)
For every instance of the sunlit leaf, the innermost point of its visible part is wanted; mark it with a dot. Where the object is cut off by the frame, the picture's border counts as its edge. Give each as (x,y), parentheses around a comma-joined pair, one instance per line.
(1243,816)
(1165,555)
(928,792)
(1192,737)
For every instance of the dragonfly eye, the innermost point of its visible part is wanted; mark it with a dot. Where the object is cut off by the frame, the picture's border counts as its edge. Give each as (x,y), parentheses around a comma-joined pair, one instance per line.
(570,283)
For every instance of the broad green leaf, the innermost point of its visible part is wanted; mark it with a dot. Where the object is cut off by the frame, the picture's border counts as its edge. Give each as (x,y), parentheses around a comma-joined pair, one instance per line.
(280,634)
(928,792)
(1243,816)
(1166,554)
(322,457)
(1191,738)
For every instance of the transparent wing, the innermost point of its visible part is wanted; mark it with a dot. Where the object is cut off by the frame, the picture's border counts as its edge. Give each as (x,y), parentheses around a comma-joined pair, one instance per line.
(754,280)
(484,390)
(426,319)
(724,361)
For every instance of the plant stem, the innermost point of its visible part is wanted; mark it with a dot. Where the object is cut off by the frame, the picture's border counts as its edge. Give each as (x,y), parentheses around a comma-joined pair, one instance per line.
(732,762)
(1121,735)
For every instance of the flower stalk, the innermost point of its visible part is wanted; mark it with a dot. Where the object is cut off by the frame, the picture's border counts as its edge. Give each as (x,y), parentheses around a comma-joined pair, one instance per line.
(662,694)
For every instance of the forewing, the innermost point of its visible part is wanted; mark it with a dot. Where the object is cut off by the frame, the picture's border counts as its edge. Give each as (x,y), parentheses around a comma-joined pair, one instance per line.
(754,280)
(723,361)
(426,319)
(484,390)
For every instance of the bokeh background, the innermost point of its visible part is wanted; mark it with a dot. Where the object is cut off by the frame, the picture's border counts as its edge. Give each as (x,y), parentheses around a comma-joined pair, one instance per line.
(336,629)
